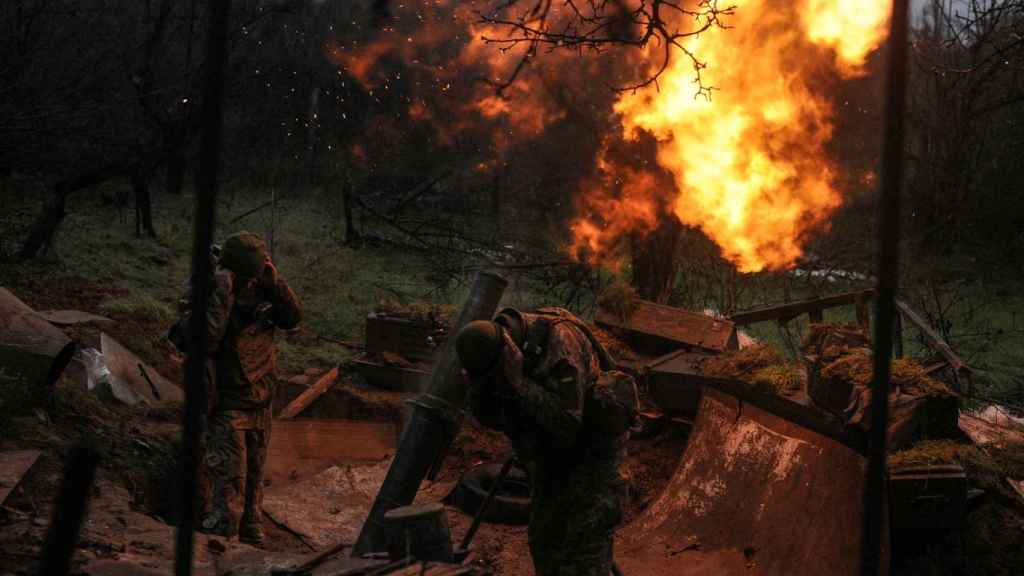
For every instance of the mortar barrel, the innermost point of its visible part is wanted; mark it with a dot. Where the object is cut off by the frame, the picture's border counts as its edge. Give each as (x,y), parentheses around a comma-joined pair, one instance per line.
(436,419)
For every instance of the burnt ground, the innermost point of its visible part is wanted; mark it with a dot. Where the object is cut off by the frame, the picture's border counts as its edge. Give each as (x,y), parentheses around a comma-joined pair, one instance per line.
(133,510)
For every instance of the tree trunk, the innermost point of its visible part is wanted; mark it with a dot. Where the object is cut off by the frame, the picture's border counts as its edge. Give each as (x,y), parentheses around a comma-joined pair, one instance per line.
(143,205)
(496,201)
(654,261)
(175,179)
(351,234)
(40,237)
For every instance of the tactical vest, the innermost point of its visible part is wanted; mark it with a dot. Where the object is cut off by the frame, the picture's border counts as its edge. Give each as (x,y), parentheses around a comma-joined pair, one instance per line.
(537,328)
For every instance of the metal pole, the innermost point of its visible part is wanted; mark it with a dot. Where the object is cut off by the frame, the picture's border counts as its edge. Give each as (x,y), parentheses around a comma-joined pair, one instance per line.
(205,220)
(874,546)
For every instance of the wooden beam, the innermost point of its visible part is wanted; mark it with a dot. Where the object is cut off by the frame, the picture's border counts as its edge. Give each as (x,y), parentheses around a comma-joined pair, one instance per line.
(934,340)
(794,309)
(310,395)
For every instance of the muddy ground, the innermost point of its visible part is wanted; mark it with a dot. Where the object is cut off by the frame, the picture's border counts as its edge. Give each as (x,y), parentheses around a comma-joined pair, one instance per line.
(132,509)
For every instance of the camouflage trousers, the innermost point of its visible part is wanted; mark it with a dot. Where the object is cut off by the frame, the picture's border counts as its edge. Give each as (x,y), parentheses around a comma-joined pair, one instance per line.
(575,540)
(236,451)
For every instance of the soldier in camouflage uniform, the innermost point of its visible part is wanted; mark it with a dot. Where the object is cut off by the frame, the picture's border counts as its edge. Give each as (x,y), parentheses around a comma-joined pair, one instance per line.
(546,383)
(250,300)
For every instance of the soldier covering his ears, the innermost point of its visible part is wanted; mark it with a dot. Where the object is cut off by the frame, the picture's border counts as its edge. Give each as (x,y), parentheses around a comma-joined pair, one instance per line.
(248,302)
(548,384)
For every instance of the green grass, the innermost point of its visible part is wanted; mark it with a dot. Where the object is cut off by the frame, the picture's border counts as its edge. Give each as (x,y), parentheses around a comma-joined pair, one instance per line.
(142,306)
(339,285)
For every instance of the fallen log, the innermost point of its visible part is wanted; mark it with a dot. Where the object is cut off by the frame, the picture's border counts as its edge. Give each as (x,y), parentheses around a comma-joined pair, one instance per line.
(33,352)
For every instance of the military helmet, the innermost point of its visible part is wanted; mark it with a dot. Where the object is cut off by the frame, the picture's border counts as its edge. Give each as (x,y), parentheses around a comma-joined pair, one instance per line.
(245,254)
(515,323)
(478,345)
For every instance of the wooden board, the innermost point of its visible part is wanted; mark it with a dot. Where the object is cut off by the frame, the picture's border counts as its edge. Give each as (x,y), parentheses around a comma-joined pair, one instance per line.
(70,317)
(13,467)
(786,312)
(305,446)
(395,378)
(666,328)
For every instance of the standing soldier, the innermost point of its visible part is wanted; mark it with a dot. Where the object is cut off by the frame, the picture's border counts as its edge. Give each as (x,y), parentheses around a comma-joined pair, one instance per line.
(249,301)
(545,381)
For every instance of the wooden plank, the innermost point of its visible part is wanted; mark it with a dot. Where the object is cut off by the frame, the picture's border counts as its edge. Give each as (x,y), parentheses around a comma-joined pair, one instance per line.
(310,395)
(934,340)
(304,446)
(14,466)
(70,317)
(673,326)
(794,309)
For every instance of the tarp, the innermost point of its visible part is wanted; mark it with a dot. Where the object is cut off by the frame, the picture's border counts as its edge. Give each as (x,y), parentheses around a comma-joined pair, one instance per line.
(756,494)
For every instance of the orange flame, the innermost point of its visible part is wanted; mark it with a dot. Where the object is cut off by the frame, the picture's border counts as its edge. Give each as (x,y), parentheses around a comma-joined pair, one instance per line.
(749,162)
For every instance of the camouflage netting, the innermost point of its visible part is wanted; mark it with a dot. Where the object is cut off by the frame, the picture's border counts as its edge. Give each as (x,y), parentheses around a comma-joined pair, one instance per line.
(761,366)
(619,350)
(987,466)
(828,341)
(439,315)
(620,299)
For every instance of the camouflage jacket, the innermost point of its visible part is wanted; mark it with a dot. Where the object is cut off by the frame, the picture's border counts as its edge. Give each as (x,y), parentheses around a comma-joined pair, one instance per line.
(241,345)
(542,414)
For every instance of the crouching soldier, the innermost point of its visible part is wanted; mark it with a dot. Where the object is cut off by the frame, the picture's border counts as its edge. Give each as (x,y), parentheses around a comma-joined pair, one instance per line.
(545,381)
(249,300)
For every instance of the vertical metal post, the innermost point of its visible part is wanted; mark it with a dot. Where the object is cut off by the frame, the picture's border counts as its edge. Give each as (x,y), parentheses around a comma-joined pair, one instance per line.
(205,220)
(874,551)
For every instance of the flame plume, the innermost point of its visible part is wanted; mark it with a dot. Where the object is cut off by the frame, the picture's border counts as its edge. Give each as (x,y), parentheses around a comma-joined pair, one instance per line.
(748,161)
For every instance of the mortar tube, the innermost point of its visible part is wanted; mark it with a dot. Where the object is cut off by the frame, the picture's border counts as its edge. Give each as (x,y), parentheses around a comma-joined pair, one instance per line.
(436,419)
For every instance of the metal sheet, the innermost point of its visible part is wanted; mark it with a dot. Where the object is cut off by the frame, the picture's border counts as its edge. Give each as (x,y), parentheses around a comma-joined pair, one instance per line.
(14,466)
(785,497)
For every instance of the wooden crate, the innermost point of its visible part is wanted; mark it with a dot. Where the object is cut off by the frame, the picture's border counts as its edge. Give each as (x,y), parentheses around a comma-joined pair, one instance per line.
(412,339)
(658,329)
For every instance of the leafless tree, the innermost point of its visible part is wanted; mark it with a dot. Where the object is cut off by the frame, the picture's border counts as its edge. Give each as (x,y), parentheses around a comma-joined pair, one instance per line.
(596,25)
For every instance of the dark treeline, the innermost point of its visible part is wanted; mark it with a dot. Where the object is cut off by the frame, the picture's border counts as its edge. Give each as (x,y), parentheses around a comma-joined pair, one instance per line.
(93,91)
